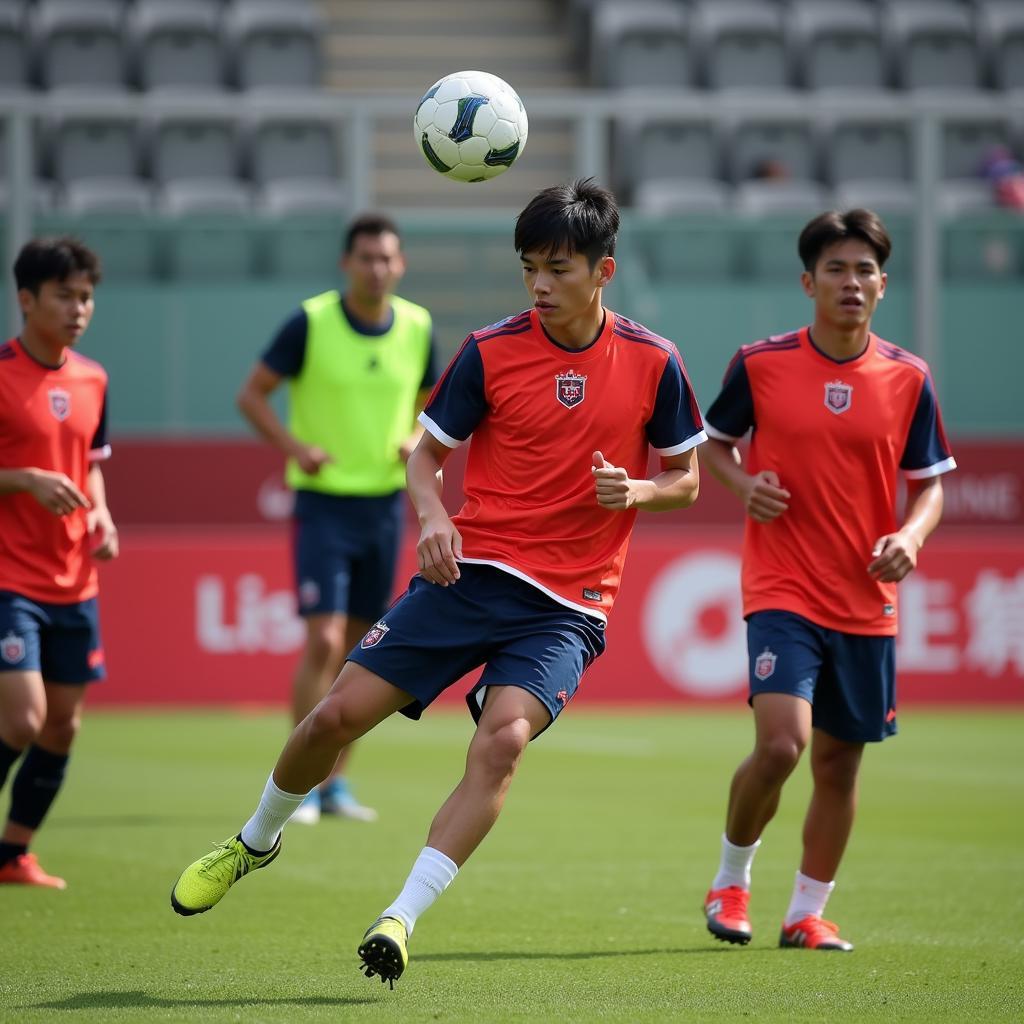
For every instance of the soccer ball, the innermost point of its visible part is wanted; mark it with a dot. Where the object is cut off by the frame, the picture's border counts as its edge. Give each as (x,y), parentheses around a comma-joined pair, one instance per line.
(470,126)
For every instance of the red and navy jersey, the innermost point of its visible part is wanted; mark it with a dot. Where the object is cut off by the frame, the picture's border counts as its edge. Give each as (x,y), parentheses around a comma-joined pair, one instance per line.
(54,419)
(837,433)
(537,412)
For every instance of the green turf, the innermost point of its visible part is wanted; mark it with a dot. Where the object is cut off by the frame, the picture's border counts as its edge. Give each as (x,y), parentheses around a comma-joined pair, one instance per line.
(582,905)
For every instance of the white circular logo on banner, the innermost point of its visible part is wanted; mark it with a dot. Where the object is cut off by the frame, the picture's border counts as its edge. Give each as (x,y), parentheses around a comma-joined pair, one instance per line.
(693,625)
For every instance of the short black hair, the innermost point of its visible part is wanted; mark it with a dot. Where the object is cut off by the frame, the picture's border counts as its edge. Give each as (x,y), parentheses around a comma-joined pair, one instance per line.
(580,216)
(369,224)
(54,259)
(834,226)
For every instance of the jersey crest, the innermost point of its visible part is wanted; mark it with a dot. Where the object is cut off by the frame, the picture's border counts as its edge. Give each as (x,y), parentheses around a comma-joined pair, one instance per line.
(570,388)
(12,648)
(838,396)
(374,636)
(60,403)
(764,664)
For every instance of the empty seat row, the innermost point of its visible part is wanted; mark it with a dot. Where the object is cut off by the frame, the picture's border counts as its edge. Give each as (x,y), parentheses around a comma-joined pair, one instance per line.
(836,152)
(158,44)
(857,44)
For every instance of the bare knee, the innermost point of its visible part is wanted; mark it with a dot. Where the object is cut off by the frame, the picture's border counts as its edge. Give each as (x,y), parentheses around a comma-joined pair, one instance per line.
(59,734)
(776,756)
(333,720)
(324,644)
(499,750)
(22,727)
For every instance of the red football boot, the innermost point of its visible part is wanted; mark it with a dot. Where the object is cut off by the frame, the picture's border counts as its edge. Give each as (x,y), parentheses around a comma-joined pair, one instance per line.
(812,932)
(25,870)
(726,913)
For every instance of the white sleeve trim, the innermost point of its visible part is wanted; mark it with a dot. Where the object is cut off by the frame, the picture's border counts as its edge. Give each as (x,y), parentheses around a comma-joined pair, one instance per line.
(678,449)
(436,432)
(100,454)
(929,471)
(718,435)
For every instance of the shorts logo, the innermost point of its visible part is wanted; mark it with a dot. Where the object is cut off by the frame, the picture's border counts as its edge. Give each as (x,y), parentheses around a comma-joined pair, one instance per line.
(309,593)
(374,636)
(570,388)
(562,697)
(12,648)
(60,403)
(838,396)
(95,658)
(764,664)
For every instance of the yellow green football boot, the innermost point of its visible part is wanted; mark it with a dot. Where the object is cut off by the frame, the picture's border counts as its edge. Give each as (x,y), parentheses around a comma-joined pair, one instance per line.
(203,884)
(383,950)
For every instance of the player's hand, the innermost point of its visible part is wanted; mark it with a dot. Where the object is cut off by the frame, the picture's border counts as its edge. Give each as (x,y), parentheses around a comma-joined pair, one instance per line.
(310,458)
(894,556)
(56,492)
(765,497)
(612,485)
(439,546)
(103,534)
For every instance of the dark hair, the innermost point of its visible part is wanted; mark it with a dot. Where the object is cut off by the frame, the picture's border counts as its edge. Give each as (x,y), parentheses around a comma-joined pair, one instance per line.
(829,228)
(369,224)
(54,259)
(579,217)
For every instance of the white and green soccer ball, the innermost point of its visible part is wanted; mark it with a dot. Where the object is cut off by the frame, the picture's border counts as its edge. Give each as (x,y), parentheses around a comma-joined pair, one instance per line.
(470,126)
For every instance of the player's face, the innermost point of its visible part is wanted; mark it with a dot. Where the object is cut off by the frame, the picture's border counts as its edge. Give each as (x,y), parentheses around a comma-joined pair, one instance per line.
(846,284)
(61,312)
(374,266)
(563,287)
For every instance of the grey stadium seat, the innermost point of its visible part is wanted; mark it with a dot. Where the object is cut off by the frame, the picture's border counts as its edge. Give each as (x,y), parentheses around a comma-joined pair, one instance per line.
(965,144)
(837,46)
(177,45)
(194,148)
(287,148)
(860,150)
(664,198)
(308,218)
(43,196)
(79,44)
(1001,24)
(932,44)
(204,195)
(643,44)
(94,147)
(743,44)
(303,195)
(965,195)
(108,195)
(771,197)
(274,45)
(790,143)
(659,149)
(13,46)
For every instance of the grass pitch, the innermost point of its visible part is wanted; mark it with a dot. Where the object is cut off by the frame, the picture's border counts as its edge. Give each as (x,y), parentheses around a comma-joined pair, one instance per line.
(583,904)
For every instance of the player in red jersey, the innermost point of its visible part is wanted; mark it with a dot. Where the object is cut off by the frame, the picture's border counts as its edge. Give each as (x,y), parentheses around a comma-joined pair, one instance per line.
(836,414)
(54,522)
(562,403)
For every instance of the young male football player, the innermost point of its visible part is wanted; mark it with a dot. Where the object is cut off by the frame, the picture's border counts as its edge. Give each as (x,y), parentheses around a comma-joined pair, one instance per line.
(835,414)
(562,402)
(358,366)
(54,522)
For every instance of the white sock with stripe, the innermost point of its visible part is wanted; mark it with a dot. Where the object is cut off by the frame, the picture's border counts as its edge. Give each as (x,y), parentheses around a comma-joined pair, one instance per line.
(809,897)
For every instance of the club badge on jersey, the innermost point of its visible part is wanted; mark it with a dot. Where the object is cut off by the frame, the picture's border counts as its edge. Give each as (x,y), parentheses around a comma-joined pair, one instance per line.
(838,396)
(12,648)
(60,403)
(570,388)
(374,636)
(764,664)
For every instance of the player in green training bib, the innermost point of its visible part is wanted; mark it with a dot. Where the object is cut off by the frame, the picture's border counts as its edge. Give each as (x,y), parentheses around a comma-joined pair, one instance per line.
(358,368)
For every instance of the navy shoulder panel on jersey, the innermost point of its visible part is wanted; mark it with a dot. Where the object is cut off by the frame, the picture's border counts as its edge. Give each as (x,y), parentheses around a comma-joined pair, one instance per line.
(458,402)
(287,351)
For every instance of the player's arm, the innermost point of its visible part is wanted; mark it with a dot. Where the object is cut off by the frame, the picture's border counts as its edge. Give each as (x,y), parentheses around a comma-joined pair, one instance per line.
(254,404)
(676,486)
(895,554)
(762,495)
(55,491)
(100,522)
(440,543)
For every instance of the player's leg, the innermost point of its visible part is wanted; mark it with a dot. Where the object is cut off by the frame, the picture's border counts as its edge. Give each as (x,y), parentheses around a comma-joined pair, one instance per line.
(357,702)
(785,654)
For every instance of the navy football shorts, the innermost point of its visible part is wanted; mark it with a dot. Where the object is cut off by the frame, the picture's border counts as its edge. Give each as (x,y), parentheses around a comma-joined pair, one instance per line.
(344,551)
(848,678)
(433,635)
(61,641)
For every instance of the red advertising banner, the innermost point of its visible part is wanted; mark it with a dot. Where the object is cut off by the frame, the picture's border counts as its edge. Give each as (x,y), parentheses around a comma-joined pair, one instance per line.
(201,483)
(207,617)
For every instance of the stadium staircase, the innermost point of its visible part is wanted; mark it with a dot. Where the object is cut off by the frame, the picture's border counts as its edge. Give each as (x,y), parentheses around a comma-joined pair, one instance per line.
(406,45)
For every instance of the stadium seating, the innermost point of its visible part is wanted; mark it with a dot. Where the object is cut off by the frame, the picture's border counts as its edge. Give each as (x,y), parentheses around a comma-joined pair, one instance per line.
(94,147)
(78,44)
(865,150)
(1001,26)
(183,148)
(176,45)
(642,44)
(743,44)
(289,149)
(273,45)
(13,51)
(789,145)
(837,46)
(932,44)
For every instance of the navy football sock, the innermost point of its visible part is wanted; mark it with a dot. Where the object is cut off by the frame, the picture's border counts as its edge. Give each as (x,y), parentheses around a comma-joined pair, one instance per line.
(36,786)
(8,755)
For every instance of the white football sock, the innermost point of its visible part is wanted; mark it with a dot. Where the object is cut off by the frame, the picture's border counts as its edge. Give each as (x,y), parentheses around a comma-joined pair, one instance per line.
(432,873)
(809,897)
(734,867)
(260,832)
